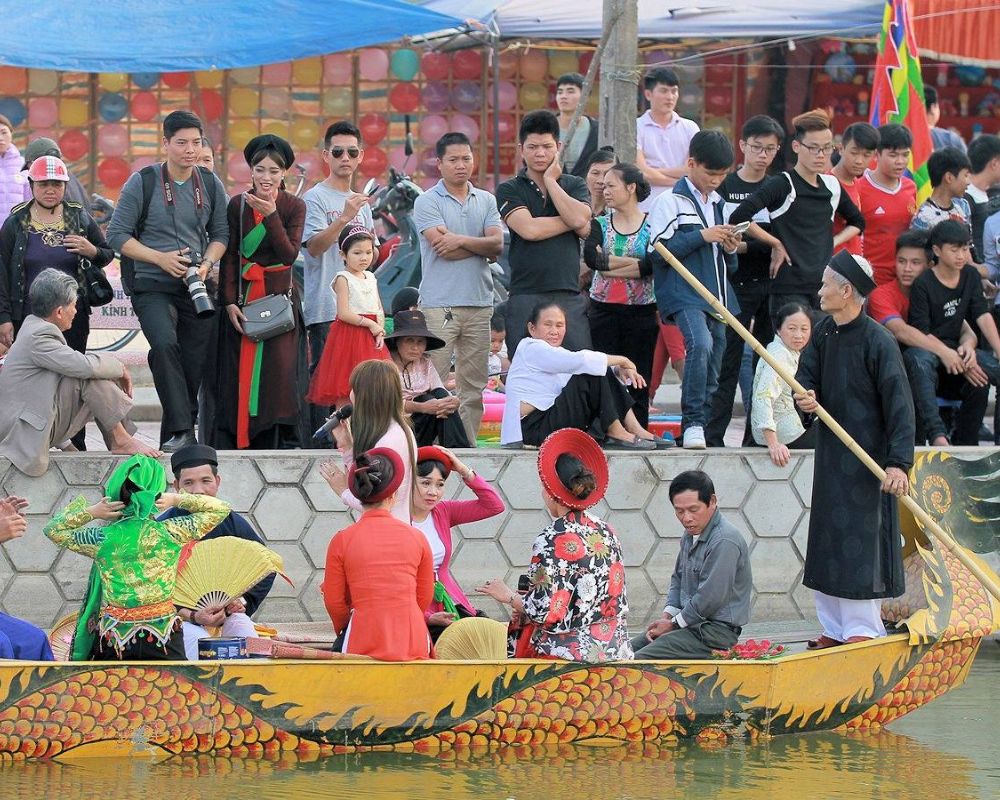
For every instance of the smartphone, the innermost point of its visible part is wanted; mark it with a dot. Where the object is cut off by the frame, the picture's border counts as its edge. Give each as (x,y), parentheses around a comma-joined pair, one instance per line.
(523,584)
(742,227)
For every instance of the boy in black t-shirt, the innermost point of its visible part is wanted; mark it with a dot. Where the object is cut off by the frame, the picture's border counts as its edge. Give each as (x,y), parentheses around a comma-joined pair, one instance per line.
(941,299)
(760,141)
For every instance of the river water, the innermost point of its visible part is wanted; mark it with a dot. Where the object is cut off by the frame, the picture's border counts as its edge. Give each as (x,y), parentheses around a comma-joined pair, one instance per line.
(949,750)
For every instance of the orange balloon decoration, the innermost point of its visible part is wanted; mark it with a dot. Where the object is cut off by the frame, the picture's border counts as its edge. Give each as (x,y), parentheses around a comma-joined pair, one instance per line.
(74,145)
(113,172)
(13,80)
(534,65)
(145,106)
(176,80)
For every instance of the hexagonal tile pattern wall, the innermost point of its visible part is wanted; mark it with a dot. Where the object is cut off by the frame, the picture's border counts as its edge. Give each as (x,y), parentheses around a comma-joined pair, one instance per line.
(769,561)
(635,534)
(321,530)
(241,482)
(33,552)
(732,479)
(516,538)
(72,574)
(33,597)
(519,483)
(772,509)
(41,492)
(630,484)
(282,513)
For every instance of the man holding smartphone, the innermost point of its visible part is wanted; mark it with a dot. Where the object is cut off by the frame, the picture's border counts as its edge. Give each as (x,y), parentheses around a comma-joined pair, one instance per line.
(169,217)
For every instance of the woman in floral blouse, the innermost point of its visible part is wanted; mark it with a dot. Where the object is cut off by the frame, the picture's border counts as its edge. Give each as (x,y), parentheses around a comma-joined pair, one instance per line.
(575,608)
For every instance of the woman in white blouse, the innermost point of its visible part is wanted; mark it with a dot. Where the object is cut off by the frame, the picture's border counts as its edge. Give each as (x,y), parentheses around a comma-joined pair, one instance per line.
(774,420)
(550,387)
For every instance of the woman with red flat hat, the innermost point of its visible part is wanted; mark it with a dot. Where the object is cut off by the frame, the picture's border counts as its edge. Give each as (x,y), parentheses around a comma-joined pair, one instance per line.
(379,572)
(576,608)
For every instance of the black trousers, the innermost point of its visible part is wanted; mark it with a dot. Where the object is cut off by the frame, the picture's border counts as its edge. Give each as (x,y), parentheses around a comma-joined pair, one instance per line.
(178,344)
(588,402)
(449,432)
(755,314)
(630,331)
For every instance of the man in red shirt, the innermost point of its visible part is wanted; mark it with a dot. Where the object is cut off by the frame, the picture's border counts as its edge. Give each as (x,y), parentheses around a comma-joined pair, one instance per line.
(888,201)
(889,305)
(857,148)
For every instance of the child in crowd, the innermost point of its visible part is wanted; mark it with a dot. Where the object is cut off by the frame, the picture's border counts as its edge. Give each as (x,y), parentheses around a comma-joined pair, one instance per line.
(433,409)
(949,171)
(688,219)
(499,362)
(358,333)
(857,148)
(888,200)
(941,300)
(774,418)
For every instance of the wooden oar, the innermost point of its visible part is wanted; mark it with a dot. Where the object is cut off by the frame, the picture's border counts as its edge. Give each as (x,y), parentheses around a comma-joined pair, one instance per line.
(988,581)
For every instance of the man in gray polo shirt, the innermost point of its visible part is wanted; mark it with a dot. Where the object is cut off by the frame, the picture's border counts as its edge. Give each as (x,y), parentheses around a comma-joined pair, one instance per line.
(460,229)
(708,602)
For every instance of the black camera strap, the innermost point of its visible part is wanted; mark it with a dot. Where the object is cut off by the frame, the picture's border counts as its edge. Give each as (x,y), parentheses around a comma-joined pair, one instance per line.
(168,200)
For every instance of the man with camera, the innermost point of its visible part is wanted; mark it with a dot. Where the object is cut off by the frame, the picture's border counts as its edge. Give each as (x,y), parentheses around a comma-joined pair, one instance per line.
(170,227)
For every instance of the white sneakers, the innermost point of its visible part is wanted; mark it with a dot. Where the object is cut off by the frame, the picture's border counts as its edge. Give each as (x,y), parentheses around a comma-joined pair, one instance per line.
(694,438)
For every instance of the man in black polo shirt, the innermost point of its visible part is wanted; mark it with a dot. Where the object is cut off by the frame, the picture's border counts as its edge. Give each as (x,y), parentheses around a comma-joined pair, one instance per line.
(547,213)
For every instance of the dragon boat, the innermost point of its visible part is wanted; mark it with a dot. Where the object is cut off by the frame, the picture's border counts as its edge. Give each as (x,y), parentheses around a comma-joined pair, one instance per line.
(309,709)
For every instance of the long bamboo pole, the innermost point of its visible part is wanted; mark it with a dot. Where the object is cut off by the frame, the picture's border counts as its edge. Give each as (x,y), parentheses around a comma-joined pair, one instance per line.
(988,581)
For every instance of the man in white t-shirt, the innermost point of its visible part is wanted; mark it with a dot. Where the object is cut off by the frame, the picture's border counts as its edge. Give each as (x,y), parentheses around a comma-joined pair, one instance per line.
(330,206)
(662,135)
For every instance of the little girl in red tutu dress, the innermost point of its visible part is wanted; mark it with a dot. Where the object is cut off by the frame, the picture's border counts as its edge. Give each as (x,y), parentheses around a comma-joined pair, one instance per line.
(357,334)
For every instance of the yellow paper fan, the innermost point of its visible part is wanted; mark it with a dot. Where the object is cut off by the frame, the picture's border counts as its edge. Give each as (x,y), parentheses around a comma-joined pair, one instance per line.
(217,571)
(473,639)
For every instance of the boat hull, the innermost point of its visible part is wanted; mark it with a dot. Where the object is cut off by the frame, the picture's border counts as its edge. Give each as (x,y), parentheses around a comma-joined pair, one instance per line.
(260,708)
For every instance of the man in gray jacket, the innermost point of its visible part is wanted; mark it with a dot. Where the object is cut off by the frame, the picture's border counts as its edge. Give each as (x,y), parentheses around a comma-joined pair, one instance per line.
(170,217)
(49,391)
(708,602)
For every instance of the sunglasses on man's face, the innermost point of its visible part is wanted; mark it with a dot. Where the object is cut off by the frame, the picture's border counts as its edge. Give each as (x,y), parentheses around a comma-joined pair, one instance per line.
(338,152)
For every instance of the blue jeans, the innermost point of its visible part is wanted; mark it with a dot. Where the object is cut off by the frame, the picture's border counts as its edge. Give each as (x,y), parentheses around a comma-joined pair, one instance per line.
(927,378)
(705,341)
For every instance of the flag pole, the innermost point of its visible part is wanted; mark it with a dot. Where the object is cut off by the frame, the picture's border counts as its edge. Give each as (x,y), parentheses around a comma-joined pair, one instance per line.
(988,581)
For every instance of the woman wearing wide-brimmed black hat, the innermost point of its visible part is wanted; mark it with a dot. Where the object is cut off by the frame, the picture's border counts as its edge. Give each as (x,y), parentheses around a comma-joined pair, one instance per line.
(258,404)
(433,409)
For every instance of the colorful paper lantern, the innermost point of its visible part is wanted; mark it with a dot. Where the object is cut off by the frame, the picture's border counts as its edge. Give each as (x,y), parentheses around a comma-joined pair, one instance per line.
(338,103)
(533,96)
(145,106)
(466,96)
(14,110)
(236,168)
(244,101)
(533,65)
(429,163)
(563,61)
(209,103)
(112,81)
(435,96)
(507,95)
(112,139)
(463,123)
(209,79)
(240,132)
(404,97)
(276,74)
(275,101)
(405,64)
(374,163)
(305,133)
(112,107)
(43,112)
(74,145)
(508,63)
(145,80)
(373,128)
(435,66)
(373,64)
(13,80)
(113,172)
(307,71)
(338,69)
(467,65)
(245,76)
(42,81)
(142,162)
(74,112)
(176,80)
(432,128)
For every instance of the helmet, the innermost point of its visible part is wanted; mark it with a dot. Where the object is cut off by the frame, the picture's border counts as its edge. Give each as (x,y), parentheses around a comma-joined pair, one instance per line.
(48,168)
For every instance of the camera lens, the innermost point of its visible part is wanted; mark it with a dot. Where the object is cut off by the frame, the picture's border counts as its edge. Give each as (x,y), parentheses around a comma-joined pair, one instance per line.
(203,304)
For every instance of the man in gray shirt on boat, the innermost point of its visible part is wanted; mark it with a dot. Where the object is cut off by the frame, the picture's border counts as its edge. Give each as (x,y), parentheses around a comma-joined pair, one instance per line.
(708,602)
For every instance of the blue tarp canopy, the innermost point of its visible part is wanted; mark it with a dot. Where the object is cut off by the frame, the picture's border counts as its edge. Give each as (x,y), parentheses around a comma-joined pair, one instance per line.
(181,35)
(673,19)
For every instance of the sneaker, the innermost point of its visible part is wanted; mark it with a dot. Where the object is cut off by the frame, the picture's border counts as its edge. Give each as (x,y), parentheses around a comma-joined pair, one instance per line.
(694,438)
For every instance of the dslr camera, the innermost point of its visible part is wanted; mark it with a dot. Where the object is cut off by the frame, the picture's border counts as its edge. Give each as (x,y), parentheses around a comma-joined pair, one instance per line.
(203,305)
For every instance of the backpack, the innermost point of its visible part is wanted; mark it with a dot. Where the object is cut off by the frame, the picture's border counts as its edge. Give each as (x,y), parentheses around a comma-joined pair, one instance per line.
(149,176)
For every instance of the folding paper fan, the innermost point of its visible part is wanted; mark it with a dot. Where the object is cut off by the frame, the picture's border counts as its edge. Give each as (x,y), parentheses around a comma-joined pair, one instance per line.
(473,639)
(217,571)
